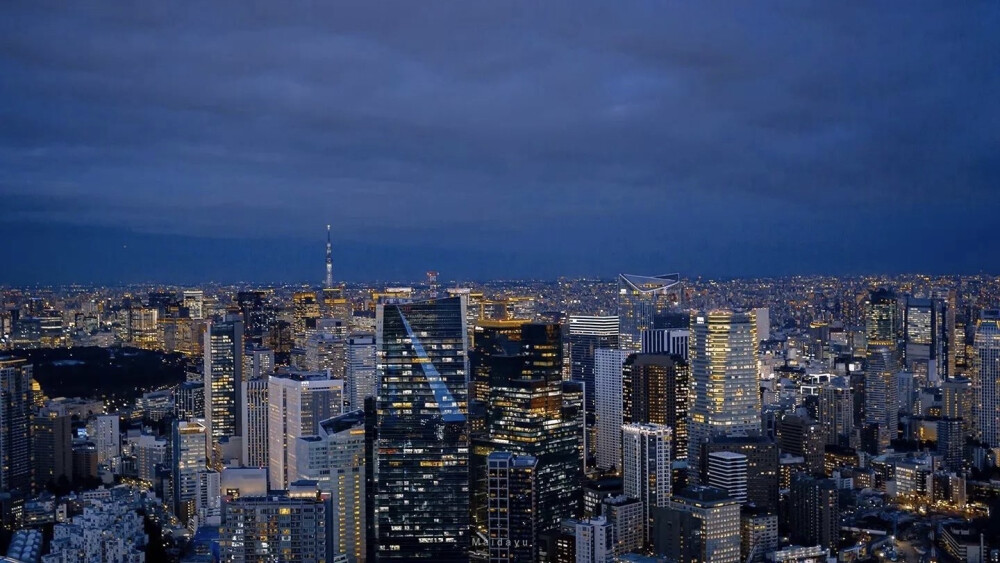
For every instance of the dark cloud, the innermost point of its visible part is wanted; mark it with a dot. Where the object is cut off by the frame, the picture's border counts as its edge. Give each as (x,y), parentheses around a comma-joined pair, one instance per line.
(505,139)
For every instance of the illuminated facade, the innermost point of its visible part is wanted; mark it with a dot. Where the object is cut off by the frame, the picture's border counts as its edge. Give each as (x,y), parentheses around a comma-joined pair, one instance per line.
(883,328)
(15,425)
(726,398)
(700,524)
(223,378)
(987,376)
(512,507)
(287,526)
(640,300)
(655,389)
(255,421)
(190,458)
(297,403)
(646,474)
(608,383)
(422,449)
(359,369)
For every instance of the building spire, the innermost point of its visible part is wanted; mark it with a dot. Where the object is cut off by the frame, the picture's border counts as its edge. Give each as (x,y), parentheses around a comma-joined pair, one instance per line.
(329,260)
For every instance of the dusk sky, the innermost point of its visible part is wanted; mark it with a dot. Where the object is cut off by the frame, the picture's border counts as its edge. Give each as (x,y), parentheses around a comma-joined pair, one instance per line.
(187,142)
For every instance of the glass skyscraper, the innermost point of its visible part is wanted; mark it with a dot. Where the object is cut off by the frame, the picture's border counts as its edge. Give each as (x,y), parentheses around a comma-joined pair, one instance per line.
(640,300)
(987,376)
(726,398)
(223,378)
(422,450)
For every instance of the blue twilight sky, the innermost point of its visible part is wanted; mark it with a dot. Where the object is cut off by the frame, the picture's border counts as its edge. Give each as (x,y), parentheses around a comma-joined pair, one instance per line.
(193,141)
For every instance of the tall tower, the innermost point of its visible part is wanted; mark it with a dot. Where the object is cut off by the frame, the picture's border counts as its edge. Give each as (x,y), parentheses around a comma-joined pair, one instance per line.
(987,376)
(297,402)
(329,260)
(646,474)
(726,397)
(882,326)
(421,453)
(223,378)
(640,299)
(15,425)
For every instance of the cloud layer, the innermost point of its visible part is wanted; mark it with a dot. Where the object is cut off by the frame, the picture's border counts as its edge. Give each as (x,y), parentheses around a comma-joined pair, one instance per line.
(503,139)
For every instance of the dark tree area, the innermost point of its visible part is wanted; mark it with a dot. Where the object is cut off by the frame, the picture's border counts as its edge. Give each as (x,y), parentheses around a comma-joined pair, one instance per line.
(109,372)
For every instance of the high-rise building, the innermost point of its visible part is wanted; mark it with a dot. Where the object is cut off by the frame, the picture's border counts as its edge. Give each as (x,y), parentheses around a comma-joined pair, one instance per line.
(305,312)
(951,442)
(728,471)
(142,328)
(257,314)
(700,524)
(335,460)
(726,391)
(526,417)
(646,474)
(758,533)
(189,459)
(987,376)
(328,281)
(189,400)
(326,352)
(958,400)
(297,402)
(628,520)
(926,335)
(149,452)
(763,471)
(882,328)
(608,383)
(512,500)
(422,448)
(640,299)
(255,416)
(259,362)
(800,436)
(836,411)
(108,438)
(52,447)
(594,541)
(814,507)
(282,526)
(492,339)
(359,369)
(194,301)
(668,341)
(655,390)
(15,425)
(223,376)
(586,335)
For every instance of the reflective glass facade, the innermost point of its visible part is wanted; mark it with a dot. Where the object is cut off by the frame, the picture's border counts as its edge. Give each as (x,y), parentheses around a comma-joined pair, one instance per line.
(640,299)
(422,449)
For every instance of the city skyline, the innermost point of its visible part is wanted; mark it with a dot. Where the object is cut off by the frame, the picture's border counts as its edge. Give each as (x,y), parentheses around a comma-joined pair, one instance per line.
(520,141)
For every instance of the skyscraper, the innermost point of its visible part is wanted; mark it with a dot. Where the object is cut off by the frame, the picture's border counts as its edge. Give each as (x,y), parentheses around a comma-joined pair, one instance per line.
(254,415)
(52,444)
(422,449)
(608,383)
(726,391)
(586,335)
(836,411)
(512,500)
(328,282)
(359,369)
(15,424)
(223,377)
(815,509)
(283,526)
(190,458)
(700,524)
(655,389)
(646,474)
(728,471)
(594,541)
(640,299)
(297,402)
(882,327)
(335,460)
(987,376)
(107,437)
(525,417)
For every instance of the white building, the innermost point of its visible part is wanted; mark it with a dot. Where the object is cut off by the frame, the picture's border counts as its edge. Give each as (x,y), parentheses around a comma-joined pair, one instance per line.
(107,438)
(608,382)
(987,345)
(255,421)
(297,403)
(646,465)
(728,471)
(359,369)
(594,541)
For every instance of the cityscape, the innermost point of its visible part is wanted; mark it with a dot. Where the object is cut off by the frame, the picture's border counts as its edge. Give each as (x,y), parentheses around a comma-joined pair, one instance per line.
(509,282)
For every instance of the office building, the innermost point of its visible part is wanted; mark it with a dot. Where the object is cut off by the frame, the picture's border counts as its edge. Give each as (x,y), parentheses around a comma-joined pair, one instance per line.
(800,436)
(194,301)
(726,392)
(259,362)
(149,453)
(958,400)
(255,415)
(512,500)
(728,471)
(305,312)
(15,425)
(951,443)
(814,510)
(189,459)
(646,474)
(335,460)
(655,390)
(763,468)
(492,339)
(422,447)
(586,335)
(108,438)
(627,519)
(700,524)
(608,382)
(594,541)
(189,400)
(297,402)
(987,374)
(223,376)
(359,369)
(640,299)
(668,341)
(257,313)
(282,526)
(836,411)
(758,534)
(882,328)
(52,447)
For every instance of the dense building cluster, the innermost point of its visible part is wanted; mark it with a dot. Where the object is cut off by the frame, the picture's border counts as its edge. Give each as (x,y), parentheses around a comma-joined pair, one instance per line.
(651,418)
